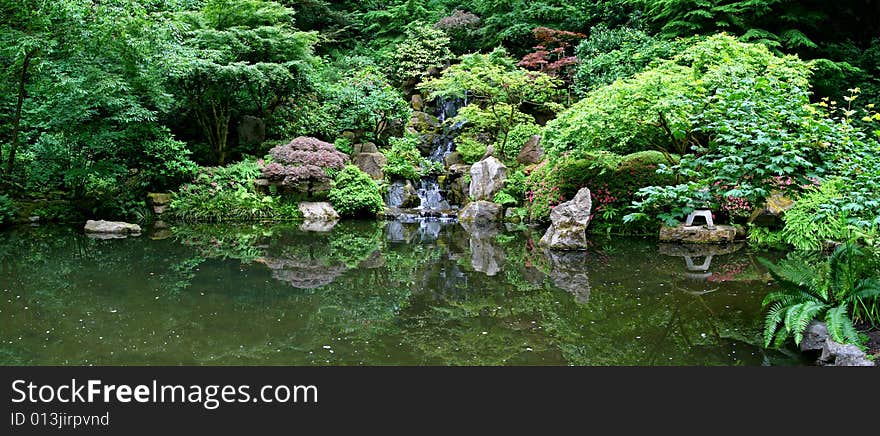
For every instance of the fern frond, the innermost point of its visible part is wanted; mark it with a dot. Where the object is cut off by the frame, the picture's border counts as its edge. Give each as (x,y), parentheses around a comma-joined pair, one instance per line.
(840,326)
(771,323)
(803,314)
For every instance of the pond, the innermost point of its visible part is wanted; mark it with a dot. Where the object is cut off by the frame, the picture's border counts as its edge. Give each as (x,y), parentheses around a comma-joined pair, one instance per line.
(374,293)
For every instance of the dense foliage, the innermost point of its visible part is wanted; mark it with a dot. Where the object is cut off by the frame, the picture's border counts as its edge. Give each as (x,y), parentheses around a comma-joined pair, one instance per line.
(355,194)
(840,290)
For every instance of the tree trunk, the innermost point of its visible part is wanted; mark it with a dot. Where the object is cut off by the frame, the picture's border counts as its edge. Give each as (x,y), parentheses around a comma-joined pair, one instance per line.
(16,119)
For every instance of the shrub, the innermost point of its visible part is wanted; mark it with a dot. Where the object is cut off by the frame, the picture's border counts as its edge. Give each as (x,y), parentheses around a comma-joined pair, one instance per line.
(404,159)
(470,149)
(303,159)
(7,210)
(423,48)
(354,193)
(611,54)
(166,163)
(808,225)
(660,107)
(228,194)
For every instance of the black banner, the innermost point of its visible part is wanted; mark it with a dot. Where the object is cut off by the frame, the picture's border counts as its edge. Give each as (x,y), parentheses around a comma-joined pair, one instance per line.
(117,400)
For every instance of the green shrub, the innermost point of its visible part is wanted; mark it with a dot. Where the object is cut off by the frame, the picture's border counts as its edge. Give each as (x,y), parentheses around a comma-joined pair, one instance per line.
(611,54)
(808,225)
(343,145)
(354,193)
(403,159)
(470,149)
(7,209)
(228,194)
(655,108)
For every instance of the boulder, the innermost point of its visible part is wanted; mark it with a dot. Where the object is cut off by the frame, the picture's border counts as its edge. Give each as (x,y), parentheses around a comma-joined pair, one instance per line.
(364,147)
(251,130)
(814,337)
(836,354)
(453,158)
(698,234)
(371,163)
(158,198)
(318,211)
(531,152)
(402,194)
(112,228)
(569,221)
(457,184)
(422,122)
(480,212)
(487,178)
(771,213)
(417,102)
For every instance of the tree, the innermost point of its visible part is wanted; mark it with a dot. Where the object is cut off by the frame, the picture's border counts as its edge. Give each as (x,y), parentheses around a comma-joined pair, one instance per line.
(246,58)
(497,92)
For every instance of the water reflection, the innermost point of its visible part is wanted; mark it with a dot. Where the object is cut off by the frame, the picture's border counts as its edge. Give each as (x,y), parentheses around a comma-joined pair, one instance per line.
(422,293)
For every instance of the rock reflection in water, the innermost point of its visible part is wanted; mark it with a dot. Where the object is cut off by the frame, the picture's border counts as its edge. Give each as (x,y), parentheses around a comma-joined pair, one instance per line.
(569,272)
(487,256)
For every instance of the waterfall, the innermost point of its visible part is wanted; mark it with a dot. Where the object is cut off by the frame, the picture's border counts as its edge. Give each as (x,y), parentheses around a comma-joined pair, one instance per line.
(432,197)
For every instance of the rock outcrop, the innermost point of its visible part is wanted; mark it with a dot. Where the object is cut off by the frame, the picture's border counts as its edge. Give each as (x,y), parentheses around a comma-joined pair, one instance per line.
(487,178)
(569,223)
(371,163)
(531,152)
(771,213)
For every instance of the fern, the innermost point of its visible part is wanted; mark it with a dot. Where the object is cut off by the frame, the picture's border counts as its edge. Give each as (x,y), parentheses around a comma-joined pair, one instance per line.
(838,290)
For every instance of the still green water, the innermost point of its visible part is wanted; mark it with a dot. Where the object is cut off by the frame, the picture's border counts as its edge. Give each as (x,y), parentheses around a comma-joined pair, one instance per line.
(369,293)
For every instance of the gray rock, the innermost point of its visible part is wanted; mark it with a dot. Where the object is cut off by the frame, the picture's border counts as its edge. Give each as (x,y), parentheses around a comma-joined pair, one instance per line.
(453,158)
(771,212)
(480,212)
(318,211)
(814,336)
(569,221)
(487,178)
(531,152)
(158,198)
(112,227)
(365,147)
(698,234)
(836,354)
(417,102)
(371,163)
(457,184)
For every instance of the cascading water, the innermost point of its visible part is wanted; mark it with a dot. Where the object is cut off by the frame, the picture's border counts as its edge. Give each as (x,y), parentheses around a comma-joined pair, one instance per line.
(431,196)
